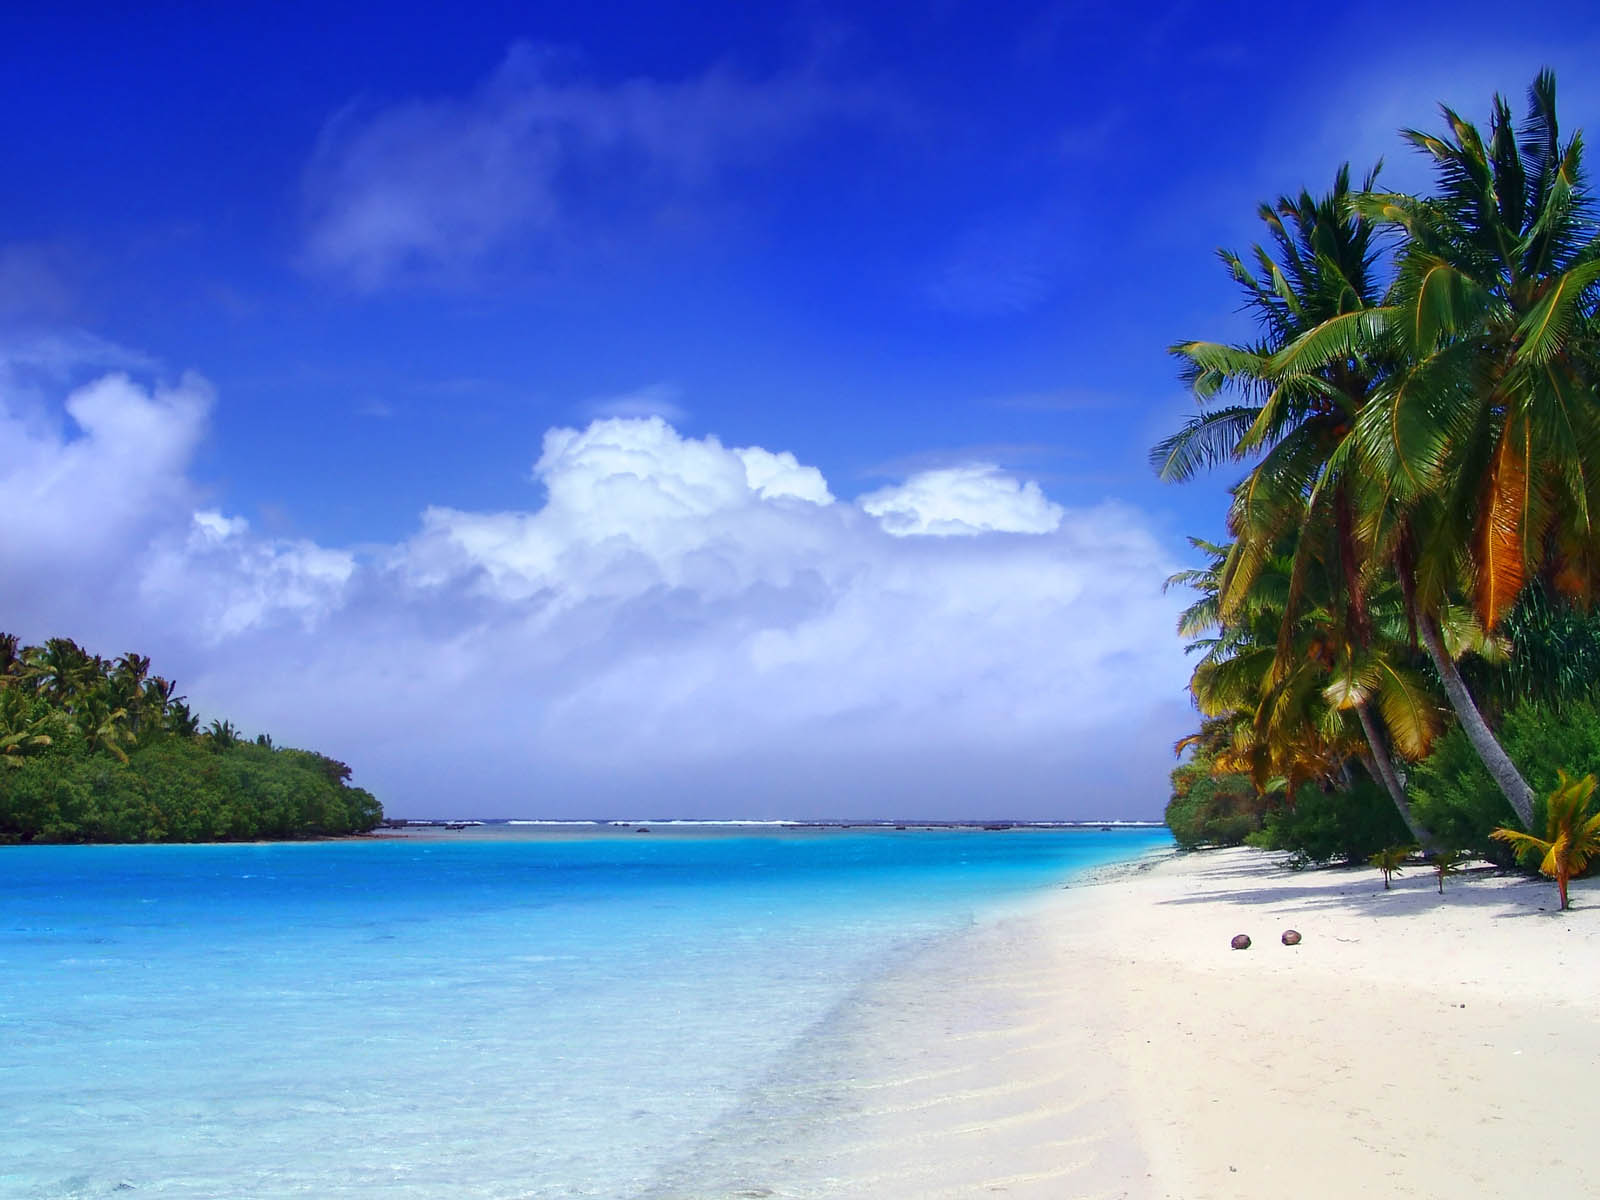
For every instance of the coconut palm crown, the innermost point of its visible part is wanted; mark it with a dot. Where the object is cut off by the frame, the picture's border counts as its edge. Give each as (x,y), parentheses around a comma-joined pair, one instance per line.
(1484,442)
(1294,418)
(1471,462)
(1481,443)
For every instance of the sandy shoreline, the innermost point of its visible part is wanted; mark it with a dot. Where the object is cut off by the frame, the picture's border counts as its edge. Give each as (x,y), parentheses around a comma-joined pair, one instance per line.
(1107,1042)
(1442,1043)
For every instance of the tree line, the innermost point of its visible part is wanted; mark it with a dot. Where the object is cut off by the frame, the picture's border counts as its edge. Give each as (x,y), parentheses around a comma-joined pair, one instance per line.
(100,750)
(1395,640)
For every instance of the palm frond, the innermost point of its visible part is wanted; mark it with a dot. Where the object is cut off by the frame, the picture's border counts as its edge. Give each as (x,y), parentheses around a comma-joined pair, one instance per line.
(1203,442)
(1543,331)
(1346,336)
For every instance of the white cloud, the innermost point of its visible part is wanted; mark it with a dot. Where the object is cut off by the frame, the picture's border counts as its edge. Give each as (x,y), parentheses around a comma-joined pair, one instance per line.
(78,490)
(773,475)
(212,528)
(221,582)
(964,500)
(632,505)
(434,186)
(681,626)
(655,400)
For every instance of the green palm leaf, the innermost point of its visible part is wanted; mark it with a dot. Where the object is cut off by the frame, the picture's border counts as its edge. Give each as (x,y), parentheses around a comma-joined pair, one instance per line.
(1543,331)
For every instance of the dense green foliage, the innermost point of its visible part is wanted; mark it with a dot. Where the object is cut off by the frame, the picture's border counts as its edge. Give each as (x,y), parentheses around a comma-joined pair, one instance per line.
(1396,643)
(1457,798)
(1324,824)
(1449,788)
(1555,659)
(1345,825)
(1209,809)
(102,751)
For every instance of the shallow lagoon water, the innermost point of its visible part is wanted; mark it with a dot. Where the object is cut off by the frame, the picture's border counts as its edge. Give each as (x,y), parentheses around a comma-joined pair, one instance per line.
(489,1016)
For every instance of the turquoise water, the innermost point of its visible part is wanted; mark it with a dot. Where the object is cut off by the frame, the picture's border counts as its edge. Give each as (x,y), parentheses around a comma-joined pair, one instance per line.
(494,1016)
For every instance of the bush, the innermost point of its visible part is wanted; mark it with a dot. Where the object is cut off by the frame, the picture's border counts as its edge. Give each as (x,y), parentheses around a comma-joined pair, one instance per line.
(1454,797)
(1334,826)
(1211,810)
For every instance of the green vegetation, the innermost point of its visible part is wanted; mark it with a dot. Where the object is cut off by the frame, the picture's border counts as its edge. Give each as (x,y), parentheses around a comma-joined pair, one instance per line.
(1572,834)
(1347,824)
(1395,642)
(98,751)
(1453,792)
(1211,806)
(1389,860)
(1446,863)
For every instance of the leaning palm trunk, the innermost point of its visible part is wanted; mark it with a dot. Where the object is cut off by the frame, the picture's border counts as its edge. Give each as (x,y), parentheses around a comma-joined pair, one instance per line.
(1383,767)
(1495,760)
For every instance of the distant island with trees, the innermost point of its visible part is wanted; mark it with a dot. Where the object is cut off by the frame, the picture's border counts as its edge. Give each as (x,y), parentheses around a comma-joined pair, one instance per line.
(98,750)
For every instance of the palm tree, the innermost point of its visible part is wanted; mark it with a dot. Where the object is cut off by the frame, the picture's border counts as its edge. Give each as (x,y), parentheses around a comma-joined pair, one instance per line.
(131,669)
(1573,833)
(1389,860)
(1272,719)
(14,745)
(180,719)
(160,693)
(222,735)
(10,647)
(124,689)
(1483,442)
(1297,680)
(1446,862)
(1293,412)
(1378,675)
(105,728)
(61,670)
(24,722)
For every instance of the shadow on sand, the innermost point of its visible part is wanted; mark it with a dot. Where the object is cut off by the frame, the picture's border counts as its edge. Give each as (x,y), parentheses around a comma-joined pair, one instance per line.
(1360,890)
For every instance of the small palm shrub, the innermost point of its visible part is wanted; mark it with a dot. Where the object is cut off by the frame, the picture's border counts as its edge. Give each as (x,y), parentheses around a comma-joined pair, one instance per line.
(1572,834)
(1447,862)
(1389,860)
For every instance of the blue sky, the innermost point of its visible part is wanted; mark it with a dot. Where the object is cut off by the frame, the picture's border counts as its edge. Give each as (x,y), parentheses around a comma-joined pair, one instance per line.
(933,252)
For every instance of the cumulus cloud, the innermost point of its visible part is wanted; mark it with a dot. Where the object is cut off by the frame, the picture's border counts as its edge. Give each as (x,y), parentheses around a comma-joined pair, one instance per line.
(632,506)
(433,186)
(78,489)
(681,626)
(964,500)
(220,581)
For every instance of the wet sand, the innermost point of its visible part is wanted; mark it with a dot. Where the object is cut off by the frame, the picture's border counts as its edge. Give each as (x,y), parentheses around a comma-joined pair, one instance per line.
(1107,1042)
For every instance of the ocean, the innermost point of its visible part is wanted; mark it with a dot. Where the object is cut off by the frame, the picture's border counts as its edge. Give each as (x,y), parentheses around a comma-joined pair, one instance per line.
(501,1012)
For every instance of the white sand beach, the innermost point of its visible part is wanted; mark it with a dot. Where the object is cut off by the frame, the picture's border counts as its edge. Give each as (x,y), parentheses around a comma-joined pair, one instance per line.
(1412,1041)
(1109,1042)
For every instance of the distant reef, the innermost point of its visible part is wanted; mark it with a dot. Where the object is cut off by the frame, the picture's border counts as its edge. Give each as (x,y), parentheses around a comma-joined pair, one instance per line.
(101,750)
